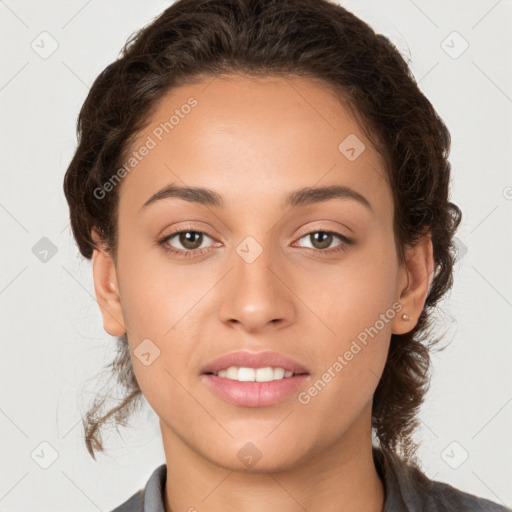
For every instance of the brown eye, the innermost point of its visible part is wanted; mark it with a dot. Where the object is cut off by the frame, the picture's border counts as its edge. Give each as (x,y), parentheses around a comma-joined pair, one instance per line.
(321,239)
(185,242)
(190,239)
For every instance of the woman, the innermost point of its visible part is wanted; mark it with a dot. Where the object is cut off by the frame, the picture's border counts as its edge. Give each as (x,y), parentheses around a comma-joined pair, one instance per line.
(263,190)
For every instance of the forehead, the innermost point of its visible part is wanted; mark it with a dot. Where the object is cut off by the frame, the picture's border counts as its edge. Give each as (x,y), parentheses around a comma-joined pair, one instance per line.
(253,138)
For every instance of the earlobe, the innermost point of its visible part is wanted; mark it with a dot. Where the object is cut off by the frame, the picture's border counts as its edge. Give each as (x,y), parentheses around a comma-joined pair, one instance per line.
(417,275)
(107,292)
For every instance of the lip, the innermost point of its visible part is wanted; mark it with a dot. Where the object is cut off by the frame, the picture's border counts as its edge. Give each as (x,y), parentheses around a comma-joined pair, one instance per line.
(255,394)
(247,359)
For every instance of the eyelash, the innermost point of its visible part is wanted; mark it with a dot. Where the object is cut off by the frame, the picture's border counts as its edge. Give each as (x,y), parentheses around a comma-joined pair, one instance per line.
(199,252)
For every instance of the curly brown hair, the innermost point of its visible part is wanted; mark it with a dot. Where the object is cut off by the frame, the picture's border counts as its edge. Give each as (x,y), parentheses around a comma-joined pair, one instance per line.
(193,39)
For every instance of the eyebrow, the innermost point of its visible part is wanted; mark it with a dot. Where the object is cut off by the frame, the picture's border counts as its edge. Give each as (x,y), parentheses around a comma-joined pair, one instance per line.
(301,197)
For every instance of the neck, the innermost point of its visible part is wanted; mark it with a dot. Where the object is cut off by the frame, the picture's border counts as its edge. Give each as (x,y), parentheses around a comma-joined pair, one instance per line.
(341,477)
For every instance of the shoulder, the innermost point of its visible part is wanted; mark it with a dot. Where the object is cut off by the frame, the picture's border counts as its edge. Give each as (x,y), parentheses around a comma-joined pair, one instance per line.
(133,504)
(149,499)
(408,489)
(444,497)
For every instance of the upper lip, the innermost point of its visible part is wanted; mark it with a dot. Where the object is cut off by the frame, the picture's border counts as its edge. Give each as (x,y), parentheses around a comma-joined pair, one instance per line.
(254,360)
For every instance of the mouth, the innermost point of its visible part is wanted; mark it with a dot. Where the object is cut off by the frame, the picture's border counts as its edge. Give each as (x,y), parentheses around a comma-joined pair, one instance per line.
(262,374)
(252,379)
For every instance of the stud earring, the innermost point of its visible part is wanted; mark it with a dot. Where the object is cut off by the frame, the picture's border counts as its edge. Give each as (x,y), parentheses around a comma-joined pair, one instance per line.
(404,316)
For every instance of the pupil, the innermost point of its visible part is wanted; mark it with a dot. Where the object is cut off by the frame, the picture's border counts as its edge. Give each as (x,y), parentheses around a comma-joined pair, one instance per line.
(187,239)
(326,241)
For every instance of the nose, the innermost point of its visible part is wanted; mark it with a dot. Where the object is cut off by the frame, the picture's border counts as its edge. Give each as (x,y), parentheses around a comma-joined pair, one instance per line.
(257,295)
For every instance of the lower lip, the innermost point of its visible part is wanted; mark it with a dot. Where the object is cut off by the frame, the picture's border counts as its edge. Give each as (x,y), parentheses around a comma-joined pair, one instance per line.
(255,394)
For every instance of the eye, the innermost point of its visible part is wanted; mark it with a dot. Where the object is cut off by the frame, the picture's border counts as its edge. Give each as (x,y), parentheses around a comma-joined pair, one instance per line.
(321,240)
(190,240)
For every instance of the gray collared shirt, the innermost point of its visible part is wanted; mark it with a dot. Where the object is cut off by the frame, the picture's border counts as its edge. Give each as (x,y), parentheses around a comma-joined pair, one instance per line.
(406,488)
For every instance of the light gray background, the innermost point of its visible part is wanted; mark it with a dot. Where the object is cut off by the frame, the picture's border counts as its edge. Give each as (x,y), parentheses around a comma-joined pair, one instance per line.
(53,344)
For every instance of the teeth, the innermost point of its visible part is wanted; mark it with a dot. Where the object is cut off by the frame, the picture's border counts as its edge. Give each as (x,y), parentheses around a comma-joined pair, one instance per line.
(243,374)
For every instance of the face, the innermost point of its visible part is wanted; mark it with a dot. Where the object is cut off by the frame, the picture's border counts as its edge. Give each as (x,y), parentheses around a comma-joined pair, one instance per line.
(257,267)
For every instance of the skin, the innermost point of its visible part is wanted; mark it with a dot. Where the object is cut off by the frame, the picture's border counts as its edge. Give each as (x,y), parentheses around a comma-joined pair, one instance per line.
(254,142)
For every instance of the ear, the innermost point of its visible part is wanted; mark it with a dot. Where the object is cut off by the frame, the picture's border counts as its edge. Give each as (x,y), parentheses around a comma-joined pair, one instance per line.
(107,289)
(414,284)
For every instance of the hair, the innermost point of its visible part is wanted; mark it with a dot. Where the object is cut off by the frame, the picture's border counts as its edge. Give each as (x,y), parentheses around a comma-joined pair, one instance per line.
(318,39)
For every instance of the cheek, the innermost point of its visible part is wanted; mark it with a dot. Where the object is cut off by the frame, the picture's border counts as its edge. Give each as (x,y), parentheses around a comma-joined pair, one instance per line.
(362,289)
(357,309)
(347,374)
(154,294)
(160,305)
